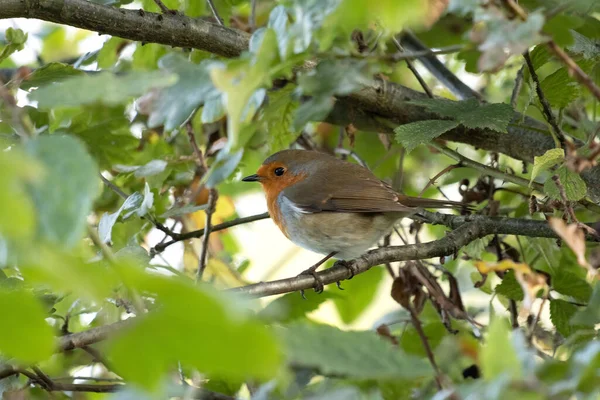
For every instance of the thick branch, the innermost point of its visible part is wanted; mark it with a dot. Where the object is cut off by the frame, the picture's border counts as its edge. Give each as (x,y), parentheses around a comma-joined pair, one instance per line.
(525,139)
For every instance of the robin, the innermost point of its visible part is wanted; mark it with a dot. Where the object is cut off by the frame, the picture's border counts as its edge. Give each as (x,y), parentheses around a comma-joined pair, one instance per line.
(331,206)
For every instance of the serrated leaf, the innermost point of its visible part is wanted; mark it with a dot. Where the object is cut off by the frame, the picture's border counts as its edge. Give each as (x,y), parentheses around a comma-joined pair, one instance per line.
(549,159)
(104,88)
(575,187)
(510,287)
(412,135)
(64,197)
(560,314)
(278,116)
(498,356)
(358,294)
(560,88)
(28,338)
(588,48)
(569,284)
(471,113)
(49,73)
(353,354)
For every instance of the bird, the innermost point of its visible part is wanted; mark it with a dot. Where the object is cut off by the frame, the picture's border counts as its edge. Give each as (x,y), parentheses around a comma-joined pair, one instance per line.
(332,206)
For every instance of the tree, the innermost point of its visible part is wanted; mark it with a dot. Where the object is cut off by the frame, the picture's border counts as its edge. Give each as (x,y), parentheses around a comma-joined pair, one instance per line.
(153,131)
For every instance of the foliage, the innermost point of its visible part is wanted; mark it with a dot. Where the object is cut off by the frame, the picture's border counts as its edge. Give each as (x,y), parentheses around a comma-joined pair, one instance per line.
(107,143)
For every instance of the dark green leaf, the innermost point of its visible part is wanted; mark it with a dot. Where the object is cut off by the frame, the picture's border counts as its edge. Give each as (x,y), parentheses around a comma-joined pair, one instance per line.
(102,88)
(590,315)
(70,184)
(575,187)
(416,133)
(559,88)
(471,113)
(560,314)
(25,335)
(510,287)
(560,28)
(354,354)
(569,284)
(358,294)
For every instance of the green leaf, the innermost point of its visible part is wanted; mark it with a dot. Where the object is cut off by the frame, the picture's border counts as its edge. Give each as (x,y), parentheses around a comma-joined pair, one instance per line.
(17,211)
(70,184)
(223,167)
(353,354)
(110,51)
(510,287)
(498,356)
(15,41)
(588,48)
(411,341)
(278,116)
(217,340)
(559,88)
(329,78)
(194,87)
(575,187)
(544,162)
(590,315)
(49,73)
(569,284)
(412,135)
(104,88)
(183,210)
(560,314)
(25,335)
(134,204)
(471,113)
(358,294)
(292,306)
(560,26)
(476,248)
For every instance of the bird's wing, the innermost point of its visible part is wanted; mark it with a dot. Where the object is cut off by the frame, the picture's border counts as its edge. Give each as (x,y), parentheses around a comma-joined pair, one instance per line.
(350,189)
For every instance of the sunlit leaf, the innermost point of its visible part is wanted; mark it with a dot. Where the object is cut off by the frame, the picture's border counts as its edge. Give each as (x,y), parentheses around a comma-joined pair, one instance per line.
(545,161)
(26,335)
(498,356)
(575,187)
(358,294)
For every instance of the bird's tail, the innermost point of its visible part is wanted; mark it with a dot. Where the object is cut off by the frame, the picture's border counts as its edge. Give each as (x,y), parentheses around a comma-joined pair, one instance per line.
(432,203)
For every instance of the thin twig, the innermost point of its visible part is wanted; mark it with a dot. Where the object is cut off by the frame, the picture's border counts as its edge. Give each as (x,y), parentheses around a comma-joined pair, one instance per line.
(419,328)
(163,8)
(517,89)
(212,201)
(565,200)
(113,187)
(412,68)
(545,105)
(574,69)
(438,175)
(252,18)
(215,12)
(199,233)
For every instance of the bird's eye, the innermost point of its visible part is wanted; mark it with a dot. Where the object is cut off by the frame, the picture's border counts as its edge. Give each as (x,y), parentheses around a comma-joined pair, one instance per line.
(279,171)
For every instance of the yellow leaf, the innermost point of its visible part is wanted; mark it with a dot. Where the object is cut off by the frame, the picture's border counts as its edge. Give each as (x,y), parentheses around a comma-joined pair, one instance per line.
(574,238)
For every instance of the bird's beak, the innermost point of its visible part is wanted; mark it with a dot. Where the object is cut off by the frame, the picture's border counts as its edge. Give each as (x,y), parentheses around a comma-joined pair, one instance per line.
(252,178)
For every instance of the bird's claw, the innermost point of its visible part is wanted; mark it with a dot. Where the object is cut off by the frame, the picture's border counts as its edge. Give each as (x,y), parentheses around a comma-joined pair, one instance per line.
(349,266)
(319,285)
(339,285)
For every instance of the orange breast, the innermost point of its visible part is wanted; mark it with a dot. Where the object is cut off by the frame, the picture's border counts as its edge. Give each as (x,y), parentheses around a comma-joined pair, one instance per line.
(272,188)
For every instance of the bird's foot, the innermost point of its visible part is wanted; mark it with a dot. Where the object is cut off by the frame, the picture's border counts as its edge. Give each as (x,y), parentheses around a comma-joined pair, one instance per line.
(318,286)
(349,265)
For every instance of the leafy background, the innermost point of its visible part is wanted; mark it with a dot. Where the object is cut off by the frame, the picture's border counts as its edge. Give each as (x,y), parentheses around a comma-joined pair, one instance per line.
(78,253)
